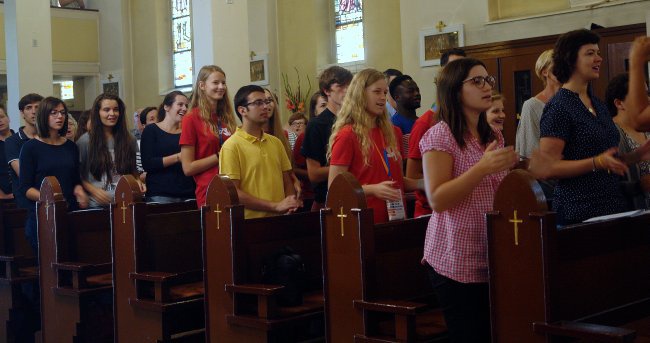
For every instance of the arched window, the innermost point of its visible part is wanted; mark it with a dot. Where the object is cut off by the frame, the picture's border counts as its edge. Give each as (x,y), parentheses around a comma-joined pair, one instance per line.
(181,43)
(348,16)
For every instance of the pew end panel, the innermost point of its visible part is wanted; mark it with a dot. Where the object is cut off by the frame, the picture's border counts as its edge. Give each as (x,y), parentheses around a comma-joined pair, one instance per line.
(515,229)
(157,264)
(18,268)
(239,305)
(373,276)
(221,210)
(75,272)
(342,266)
(548,284)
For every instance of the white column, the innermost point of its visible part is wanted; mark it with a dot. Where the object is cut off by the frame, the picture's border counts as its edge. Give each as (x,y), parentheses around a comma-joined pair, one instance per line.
(220,29)
(28,43)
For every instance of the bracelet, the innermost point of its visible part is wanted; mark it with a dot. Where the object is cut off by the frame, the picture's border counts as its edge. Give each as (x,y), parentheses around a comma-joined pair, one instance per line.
(593,163)
(600,162)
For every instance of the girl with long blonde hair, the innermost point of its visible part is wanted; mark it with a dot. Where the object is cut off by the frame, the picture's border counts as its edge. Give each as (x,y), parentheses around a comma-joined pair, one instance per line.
(208,124)
(365,143)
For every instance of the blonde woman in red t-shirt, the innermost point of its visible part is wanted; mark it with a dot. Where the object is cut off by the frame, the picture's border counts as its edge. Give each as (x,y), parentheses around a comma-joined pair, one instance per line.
(365,143)
(208,124)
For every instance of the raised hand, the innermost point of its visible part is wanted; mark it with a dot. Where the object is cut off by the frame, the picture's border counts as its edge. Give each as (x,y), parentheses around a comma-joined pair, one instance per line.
(495,160)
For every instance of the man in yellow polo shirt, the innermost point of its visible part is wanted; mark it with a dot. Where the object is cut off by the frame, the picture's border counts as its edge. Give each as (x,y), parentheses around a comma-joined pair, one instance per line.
(257,162)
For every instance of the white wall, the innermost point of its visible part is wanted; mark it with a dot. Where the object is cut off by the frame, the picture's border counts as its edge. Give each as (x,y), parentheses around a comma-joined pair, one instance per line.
(420,14)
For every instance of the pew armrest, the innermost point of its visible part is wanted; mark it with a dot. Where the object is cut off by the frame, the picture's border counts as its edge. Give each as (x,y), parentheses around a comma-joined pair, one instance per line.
(397,307)
(404,315)
(267,303)
(11,265)
(79,275)
(585,331)
(255,289)
(157,286)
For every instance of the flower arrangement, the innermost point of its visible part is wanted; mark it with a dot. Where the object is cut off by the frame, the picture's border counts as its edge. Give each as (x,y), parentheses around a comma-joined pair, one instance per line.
(295,98)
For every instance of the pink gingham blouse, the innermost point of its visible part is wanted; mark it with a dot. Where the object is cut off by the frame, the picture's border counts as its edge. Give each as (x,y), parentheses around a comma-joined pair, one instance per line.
(456,241)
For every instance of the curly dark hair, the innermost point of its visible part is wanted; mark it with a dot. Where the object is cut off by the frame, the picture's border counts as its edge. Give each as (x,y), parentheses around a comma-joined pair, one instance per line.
(565,53)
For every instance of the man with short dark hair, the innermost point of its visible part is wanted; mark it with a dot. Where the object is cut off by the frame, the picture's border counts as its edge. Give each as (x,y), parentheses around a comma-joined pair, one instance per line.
(452,55)
(333,83)
(256,161)
(28,106)
(407,99)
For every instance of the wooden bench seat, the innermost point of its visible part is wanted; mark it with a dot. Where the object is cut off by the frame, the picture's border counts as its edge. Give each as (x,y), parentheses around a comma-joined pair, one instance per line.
(376,289)
(158,267)
(240,307)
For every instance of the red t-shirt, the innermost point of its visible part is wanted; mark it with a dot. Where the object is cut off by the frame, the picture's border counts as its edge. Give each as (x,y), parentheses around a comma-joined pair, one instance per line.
(346,151)
(421,126)
(196,133)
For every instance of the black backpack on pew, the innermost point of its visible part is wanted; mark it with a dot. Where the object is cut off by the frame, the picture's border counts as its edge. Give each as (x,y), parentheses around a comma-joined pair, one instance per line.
(285,267)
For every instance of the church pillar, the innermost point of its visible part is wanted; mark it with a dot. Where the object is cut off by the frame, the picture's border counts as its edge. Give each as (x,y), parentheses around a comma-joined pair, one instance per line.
(28,44)
(220,30)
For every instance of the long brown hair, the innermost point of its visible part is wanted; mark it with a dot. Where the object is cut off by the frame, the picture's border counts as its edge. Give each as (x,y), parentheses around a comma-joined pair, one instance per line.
(99,158)
(450,85)
(223,109)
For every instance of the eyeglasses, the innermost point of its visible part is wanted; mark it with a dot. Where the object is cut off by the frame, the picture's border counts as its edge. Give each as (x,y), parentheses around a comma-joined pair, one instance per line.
(298,123)
(55,112)
(259,102)
(479,81)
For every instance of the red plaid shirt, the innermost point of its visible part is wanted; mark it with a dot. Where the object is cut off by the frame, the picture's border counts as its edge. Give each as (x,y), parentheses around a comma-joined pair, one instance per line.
(456,241)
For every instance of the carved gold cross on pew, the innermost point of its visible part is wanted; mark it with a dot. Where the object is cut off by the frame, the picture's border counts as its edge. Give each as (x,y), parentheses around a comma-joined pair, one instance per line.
(123,208)
(218,212)
(47,210)
(342,216)
(516,228)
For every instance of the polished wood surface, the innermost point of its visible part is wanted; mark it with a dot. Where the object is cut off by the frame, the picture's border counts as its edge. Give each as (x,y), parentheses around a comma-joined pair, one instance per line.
(157,267)
(376,288)
(239,306)
(579,281)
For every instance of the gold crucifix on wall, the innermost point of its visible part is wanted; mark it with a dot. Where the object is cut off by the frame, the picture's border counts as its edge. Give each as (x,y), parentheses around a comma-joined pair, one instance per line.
(516,221)
(342,216)
(441,25)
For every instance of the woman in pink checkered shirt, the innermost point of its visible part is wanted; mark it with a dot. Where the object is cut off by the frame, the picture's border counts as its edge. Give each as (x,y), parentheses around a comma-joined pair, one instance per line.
(464,161)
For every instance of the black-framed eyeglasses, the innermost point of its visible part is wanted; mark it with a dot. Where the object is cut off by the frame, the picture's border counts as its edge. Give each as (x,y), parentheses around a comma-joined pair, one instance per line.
(259,102)
(480,81)
(55,112)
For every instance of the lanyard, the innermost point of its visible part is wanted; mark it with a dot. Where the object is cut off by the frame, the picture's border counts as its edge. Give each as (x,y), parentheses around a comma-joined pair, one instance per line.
(384,157)
(219,131)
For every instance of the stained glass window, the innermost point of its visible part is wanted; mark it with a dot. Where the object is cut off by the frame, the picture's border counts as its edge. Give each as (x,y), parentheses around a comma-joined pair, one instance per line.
(349,30)
(181,42)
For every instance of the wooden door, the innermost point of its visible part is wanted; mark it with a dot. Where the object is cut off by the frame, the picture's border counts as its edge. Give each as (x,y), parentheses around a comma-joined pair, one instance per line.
(518,83)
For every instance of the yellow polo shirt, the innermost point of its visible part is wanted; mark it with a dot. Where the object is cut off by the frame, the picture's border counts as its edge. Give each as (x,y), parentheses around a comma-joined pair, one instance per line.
(258,164)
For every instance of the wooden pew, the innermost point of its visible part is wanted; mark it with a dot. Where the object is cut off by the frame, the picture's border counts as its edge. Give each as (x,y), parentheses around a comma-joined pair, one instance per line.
(17,267)
(158,268)
(239,307)
(376,289)
(75,270)
(586,281)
